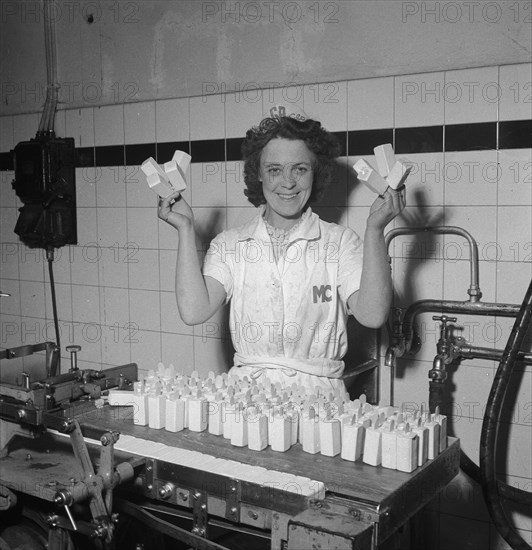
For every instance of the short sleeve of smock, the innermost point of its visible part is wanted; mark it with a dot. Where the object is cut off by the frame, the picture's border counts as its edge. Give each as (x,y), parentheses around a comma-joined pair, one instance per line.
(350,264)
(216,263)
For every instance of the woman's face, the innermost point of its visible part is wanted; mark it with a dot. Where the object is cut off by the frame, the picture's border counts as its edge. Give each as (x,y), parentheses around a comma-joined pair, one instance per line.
(286,172)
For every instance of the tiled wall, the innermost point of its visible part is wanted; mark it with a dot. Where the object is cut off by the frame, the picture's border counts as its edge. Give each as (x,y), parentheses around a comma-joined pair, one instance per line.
(467,133)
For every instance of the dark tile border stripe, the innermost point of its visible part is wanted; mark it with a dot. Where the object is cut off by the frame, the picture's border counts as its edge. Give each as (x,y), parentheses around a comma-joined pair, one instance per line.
(423,139)
(362,142)
(471,137)
(513,134)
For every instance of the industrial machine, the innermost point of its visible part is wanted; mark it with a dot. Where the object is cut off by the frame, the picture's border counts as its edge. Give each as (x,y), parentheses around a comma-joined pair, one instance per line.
(63,459)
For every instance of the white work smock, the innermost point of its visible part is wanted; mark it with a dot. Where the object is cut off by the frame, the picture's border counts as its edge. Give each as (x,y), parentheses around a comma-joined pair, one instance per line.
(288,314)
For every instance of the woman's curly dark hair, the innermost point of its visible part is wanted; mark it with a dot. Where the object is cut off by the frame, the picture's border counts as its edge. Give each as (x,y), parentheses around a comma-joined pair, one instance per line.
(323,144)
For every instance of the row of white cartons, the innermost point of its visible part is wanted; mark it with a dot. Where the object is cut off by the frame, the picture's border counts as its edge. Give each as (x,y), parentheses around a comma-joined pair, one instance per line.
(258,415)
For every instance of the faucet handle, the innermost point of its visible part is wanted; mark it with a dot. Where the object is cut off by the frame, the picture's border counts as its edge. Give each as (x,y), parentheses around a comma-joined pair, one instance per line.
(444,319)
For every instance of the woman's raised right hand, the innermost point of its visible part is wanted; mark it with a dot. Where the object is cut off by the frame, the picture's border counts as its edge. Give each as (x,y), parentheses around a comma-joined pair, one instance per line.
(175,211)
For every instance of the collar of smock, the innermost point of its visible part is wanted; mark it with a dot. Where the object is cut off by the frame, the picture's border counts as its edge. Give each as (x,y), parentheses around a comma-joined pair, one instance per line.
(308,229)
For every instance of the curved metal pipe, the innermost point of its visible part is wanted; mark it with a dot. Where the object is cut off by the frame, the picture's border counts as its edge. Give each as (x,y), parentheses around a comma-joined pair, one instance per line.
(450,306)
(475,352)
(474,289)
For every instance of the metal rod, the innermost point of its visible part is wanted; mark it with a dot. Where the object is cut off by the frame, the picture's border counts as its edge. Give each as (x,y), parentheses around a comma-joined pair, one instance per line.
(474,289)
(449,306)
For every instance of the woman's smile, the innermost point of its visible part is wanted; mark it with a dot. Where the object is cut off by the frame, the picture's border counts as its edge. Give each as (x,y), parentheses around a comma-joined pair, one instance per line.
(287,177)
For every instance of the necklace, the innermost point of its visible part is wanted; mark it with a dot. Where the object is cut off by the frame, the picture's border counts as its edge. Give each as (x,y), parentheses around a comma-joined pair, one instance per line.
(280,235)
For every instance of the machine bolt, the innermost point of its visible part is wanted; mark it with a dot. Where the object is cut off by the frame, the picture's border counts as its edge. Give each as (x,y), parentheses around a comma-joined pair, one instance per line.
(21,413)
(28,456)
(165,492)
(253,515)
(73,350)
(183,497)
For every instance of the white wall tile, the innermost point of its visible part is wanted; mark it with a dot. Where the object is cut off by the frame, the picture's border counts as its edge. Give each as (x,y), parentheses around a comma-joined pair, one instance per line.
(111,271)
(144,269)
(178,349)
(86,226)
(471,178)
(417,280)
(514,233)
(144,309)
(31,264)
(32,299)
(207,182)
(370,103)
(419,100)
(116,348)
(109,125)
(425,183)
(9,266)
(8,196)
(327,102)
(515,91)
(515,177)
(145,346)
(86,304)
(234,177)
(84,265)
(207,117)
(478,222)
(80,125)
(8,220)
(471,95)
(25,127)
(6,134)
(172,120)
(139,122)
(111,186)
(114,306)
(112,227)
(10,304)
(514,277)
(243,110)
(240,216)
(142,227)
(86,180)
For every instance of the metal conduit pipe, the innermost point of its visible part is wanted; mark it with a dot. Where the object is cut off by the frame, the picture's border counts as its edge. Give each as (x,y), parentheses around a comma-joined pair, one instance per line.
(490,425)
(449,306)
(474,289)
(475,352)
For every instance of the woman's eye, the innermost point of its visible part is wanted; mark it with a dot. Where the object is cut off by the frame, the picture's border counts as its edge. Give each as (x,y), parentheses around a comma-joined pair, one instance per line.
(274,171)
(302,170)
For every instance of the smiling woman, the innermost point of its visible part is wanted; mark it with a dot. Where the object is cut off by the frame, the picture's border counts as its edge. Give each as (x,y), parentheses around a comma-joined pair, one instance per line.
(291,279)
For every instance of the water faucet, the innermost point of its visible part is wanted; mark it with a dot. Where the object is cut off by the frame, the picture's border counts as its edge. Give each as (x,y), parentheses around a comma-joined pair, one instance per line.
(446,352)
(397,340)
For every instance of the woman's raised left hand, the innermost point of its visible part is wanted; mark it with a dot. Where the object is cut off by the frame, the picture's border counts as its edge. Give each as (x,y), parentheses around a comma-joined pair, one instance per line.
(386,207)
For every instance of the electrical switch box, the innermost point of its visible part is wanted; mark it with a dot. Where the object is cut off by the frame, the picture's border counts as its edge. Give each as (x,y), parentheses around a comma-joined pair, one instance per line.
(45,182)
